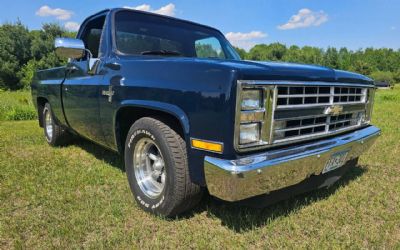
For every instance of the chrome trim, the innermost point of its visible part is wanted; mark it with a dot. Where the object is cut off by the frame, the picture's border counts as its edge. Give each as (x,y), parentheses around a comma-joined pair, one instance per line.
(370,104)
(266,109)
(252,115)
(270,107)
(216,142)
(331,96)
(301,83)
(262,173)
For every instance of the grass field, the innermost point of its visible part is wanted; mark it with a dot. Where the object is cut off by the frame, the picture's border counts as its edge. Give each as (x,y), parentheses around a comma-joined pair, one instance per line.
(78,197)
(16,106)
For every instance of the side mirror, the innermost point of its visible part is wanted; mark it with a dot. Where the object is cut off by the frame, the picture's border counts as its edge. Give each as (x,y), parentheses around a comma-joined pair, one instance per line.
(69,47)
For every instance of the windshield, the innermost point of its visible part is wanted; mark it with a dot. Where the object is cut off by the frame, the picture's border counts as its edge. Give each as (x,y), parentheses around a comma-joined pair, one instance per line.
(142,34)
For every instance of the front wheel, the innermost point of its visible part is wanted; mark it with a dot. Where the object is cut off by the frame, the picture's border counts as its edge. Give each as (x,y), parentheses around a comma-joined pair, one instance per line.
(157,169)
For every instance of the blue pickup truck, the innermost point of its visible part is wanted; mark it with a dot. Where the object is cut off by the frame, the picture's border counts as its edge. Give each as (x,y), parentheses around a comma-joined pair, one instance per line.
(188,115)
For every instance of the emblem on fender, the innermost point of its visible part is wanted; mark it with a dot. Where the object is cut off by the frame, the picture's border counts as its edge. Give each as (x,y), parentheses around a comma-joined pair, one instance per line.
(334,110)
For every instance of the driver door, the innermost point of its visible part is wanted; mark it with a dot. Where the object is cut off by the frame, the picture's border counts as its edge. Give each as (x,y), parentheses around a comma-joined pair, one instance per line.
(81,88)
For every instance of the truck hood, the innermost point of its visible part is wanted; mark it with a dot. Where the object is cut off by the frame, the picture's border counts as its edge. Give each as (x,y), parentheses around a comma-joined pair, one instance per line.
(260,70)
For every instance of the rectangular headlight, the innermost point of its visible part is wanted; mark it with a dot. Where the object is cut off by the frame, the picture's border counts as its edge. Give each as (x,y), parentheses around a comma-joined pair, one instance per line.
(249,133)
(251,99)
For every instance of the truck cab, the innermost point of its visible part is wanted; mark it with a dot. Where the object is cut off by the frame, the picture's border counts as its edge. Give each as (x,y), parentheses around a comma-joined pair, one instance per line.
(187,114)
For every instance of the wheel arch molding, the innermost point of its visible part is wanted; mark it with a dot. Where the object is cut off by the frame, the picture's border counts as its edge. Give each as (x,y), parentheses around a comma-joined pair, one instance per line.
(130,111)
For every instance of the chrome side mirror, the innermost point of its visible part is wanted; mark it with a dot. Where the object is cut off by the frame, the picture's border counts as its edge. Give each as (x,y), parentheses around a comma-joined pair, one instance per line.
(69,47)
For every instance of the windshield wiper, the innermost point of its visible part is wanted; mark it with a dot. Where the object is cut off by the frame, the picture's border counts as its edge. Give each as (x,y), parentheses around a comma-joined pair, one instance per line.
(161,52)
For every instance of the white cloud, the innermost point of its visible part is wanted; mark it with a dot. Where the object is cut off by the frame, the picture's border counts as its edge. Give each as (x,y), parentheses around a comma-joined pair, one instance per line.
(245,40)
(305,18)
(72,26)
(60,14)
(168,10)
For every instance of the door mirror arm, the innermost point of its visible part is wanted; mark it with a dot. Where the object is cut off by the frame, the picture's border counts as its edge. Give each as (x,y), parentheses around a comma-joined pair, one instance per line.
(93,64)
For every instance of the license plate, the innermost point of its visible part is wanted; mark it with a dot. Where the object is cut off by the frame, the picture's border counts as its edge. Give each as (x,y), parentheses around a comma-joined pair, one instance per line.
(336,161)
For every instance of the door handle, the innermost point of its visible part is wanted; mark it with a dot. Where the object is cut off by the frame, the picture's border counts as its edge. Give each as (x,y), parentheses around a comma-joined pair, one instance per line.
(113,65)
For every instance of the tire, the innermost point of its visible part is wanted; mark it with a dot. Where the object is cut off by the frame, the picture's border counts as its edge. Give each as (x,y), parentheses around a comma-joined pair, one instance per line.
(55,135)
(157,169)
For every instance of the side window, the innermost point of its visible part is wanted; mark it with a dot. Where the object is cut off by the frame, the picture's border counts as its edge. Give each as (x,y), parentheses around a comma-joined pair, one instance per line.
(208,48)
(136,43)
(92,36)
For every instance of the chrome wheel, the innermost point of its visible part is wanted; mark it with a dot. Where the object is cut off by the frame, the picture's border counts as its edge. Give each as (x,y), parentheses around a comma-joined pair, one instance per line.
(149,168)
(48,125)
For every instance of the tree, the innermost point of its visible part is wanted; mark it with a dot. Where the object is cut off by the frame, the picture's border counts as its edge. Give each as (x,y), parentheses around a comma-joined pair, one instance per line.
(382,76)
(15,46)
(242,53)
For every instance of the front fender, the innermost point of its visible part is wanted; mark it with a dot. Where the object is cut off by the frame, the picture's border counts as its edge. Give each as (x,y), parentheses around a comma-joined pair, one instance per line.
(159,106)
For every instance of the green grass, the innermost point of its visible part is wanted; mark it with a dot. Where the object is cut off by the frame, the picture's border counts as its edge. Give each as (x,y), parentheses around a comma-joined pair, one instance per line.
(78,197)
(16,106)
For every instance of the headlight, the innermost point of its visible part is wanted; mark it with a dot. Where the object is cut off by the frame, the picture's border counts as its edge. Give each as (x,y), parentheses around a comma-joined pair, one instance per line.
(254,106)
(249,133)
(251,99)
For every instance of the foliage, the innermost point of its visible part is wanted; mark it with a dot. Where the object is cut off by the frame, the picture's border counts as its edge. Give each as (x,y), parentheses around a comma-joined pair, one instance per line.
(206,51)
(16,105)
(242,53)
(22,52)
(383,76)
(362,61)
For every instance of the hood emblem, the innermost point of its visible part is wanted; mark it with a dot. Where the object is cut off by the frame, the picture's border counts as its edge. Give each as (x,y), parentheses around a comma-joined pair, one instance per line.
(334,110)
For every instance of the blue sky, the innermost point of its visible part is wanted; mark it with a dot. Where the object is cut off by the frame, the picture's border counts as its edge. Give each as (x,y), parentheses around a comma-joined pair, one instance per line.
(351,23)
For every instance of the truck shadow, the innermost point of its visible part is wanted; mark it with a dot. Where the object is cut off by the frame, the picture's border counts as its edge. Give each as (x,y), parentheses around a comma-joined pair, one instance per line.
(239,216)
(101,153)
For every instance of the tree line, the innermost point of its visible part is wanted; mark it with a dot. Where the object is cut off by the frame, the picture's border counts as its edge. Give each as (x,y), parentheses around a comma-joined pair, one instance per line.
(381,64)
(23,51)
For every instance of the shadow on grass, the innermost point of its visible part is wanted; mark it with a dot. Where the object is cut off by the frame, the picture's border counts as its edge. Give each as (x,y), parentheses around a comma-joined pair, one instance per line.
(252,213)
(101,153)
(243,216)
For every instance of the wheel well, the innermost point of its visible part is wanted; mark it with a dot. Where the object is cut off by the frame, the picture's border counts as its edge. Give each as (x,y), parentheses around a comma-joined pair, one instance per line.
(129,115)
(41,101)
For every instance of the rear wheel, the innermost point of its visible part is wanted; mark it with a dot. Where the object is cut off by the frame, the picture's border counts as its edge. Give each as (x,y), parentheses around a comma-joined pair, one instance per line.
(157,169)
(55,135)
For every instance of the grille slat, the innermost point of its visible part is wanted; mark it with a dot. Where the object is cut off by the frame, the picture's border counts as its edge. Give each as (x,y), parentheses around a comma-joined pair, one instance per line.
(294,128)
(291,96)
(295,99)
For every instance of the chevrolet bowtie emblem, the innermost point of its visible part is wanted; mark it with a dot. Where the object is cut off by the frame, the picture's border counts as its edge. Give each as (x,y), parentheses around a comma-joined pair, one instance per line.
(334,110)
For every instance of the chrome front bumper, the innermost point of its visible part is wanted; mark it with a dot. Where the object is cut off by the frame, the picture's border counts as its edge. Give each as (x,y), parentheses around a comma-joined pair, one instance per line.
(234,180)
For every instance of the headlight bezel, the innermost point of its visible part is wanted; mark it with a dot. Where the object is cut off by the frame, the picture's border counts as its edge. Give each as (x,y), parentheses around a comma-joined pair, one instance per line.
(261,115)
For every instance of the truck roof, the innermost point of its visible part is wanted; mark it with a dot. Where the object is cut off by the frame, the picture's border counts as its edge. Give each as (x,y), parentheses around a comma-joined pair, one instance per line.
(149,13)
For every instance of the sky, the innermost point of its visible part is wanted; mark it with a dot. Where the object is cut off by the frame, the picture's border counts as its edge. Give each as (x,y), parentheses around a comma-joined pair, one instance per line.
(354,24)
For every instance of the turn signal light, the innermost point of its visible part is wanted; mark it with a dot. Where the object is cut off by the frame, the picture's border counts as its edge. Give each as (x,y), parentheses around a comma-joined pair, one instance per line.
(207,145)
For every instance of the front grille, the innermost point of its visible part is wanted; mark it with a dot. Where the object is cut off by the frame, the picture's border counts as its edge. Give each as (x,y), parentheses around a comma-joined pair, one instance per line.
(303,111)
(316,95)
(298,111)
